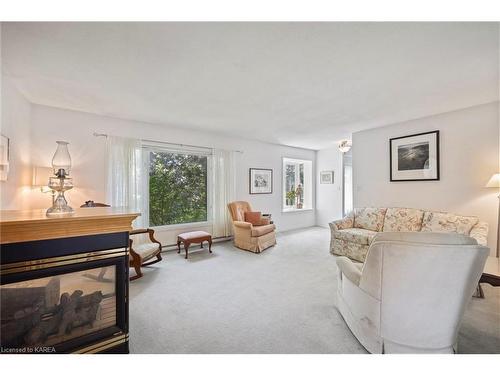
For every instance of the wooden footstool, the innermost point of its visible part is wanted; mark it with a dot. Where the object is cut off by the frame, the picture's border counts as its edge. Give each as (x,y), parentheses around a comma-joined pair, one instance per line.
(193,237)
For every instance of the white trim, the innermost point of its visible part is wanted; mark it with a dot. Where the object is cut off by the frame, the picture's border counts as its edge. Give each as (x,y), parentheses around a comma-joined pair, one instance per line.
(285,210)
(197,224)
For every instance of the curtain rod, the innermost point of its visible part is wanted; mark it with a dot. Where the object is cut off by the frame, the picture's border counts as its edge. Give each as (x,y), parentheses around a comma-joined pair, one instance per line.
(167,143)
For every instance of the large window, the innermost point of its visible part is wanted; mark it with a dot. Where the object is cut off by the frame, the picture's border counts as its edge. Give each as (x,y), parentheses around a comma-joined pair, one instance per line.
(178,191)
(297,184)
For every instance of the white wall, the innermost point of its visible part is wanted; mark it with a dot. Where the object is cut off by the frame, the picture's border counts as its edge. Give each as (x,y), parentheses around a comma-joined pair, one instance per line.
(469,152)
(15,124)
(88,156)
(329,196)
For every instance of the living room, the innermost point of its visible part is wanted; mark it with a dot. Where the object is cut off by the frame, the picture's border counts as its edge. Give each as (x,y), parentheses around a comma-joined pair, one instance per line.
(250,188)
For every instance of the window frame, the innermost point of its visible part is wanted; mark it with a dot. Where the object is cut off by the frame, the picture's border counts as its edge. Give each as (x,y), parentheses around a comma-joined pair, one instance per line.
(347,161)
(289,160)
(158,147)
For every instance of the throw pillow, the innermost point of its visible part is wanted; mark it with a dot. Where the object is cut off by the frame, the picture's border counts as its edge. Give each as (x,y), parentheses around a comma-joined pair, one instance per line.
(253,217)
(403,220)
(369,218)
(446,222)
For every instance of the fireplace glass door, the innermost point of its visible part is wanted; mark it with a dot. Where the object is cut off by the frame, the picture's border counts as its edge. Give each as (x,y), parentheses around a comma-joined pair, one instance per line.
(50,311)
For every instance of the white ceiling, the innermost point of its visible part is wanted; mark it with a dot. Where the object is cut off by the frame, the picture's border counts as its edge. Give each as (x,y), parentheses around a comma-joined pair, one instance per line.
(300,84)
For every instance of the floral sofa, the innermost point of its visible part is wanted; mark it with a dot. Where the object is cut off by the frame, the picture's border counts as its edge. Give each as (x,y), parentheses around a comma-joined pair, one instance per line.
(352,236)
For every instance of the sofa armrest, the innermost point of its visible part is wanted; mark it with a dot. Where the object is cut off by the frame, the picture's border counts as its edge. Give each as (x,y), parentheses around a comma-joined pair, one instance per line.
(349,269)
(480,233)
(242,225)
(346,222)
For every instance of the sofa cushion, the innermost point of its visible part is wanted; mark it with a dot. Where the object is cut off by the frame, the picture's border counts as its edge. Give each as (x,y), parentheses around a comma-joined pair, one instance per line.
(403,220)
(261,230)
(447,222)
(356,235)
(370,218)
(253,217)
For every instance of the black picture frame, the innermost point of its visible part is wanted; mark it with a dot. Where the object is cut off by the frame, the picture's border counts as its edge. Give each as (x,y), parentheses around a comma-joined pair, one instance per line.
(436,151)
(250,186)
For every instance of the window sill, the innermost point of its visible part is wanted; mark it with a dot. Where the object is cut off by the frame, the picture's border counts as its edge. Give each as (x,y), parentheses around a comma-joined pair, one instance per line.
(165,228)
(284,210)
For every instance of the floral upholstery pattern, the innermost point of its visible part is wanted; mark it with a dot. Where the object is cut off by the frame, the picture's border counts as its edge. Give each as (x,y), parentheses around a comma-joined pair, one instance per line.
(352,236)
(403,220)
(357,235)
(480,233)
(446,222)
(346,222)
(369,218)
(352,250)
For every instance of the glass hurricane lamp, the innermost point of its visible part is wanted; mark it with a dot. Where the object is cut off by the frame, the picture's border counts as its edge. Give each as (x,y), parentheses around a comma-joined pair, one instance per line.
(61,164)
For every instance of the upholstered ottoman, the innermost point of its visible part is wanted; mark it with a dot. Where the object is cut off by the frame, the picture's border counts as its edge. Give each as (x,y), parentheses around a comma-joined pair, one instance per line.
(193,237)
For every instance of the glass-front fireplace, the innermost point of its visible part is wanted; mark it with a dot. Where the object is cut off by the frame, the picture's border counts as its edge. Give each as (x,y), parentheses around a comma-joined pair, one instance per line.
(51,310)
(74,303)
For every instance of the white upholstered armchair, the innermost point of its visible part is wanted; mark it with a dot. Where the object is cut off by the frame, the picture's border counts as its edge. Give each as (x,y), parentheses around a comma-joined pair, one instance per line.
(410,294)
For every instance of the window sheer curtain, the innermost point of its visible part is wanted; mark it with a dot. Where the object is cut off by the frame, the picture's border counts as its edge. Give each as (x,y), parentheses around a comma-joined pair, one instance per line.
(224,185)
(124,187)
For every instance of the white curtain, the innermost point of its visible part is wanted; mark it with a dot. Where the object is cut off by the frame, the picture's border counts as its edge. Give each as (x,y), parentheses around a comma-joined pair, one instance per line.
(224,186)
(124,176)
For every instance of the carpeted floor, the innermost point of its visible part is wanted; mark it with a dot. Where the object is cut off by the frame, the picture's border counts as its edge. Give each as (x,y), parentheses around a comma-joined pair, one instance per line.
(279,301)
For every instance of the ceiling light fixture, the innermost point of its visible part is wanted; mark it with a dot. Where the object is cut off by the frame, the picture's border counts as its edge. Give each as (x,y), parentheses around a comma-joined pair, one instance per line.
(345,146)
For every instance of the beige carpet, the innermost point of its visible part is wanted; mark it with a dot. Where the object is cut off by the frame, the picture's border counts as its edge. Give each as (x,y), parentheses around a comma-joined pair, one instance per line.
(279,301)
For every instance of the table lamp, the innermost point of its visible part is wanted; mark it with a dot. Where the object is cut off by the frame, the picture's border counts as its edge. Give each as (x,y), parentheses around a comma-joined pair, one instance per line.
(61,164)
(494,182)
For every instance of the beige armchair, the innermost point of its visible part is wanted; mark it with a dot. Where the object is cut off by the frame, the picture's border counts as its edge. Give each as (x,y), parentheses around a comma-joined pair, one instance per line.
(247,236)
(411,293)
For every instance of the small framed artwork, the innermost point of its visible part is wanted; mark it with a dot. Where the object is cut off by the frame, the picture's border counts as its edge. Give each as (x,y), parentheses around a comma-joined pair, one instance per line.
(415,157)
(326,177)
(261,181)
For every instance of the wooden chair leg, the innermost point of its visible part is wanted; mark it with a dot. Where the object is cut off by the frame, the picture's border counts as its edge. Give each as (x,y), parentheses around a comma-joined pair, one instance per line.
(138,272)
(209,246)
(178,247)
(186,248)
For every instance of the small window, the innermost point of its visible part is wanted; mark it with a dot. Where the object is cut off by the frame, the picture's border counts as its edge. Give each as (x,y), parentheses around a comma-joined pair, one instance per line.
(297,184)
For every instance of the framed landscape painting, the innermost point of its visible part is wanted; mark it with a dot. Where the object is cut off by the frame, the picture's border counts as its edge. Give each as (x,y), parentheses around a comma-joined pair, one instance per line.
(415,157)
(261,181)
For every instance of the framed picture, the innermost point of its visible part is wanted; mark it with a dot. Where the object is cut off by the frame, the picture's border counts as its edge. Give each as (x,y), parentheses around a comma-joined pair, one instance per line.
(261,181)
(326,177)
(415,157)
